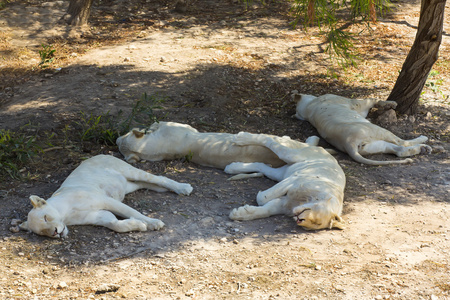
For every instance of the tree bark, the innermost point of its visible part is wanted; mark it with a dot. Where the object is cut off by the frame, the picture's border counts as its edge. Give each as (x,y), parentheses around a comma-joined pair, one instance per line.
(421,58)
(78,12)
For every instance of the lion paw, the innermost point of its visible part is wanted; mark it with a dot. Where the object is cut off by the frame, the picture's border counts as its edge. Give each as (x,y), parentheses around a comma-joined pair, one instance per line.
(155,224)
(243,213)
(136,225)
(386,105)
(184,189)
(425,149)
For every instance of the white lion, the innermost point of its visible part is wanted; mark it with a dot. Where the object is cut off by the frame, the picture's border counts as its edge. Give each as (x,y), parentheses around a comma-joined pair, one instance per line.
(311,184)
(341,122)
(93,195)
(169,140)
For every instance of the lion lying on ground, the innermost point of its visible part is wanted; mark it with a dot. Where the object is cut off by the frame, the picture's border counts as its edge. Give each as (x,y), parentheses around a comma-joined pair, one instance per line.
(341,122)
(311,185)
(93,195)
(169,140)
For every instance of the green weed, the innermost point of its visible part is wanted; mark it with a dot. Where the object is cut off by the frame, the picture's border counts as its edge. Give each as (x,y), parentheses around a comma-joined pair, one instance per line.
(47,55)
(3,4)
(188,157)
(434,83)
(100,129)
(143,112)
(105,129)
(16,149)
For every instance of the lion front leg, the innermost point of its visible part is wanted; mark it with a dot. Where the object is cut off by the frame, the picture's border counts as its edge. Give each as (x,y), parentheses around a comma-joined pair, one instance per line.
(385,105)
(250,212)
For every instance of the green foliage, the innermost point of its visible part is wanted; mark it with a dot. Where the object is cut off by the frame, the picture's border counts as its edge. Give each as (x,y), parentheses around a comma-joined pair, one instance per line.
(142,113)
(16,148)
(340,47)
(188,157)
(47,55)
(434,83)
(333,17)
(105,129)
(100,129)
(3,4)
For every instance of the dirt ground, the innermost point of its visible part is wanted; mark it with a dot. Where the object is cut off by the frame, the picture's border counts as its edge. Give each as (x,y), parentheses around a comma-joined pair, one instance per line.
(220,68)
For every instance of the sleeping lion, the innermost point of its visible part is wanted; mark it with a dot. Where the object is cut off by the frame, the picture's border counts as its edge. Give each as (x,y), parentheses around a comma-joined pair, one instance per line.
(170,140)
(342,122)
(92,195)
(311,184)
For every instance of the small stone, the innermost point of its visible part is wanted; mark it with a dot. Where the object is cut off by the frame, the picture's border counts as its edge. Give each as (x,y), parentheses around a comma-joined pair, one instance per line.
(223,240)
(163,59)
(318,268)
(62,285)
(107,288)
(388,117)
(127,59)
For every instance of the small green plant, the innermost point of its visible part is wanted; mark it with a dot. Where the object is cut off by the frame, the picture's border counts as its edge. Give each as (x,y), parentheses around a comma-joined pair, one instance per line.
(143,112)
(3,4)
(16,149)
(435,84)
(100,129)
(188,157)
(106,128)
(333,21)
(47,55)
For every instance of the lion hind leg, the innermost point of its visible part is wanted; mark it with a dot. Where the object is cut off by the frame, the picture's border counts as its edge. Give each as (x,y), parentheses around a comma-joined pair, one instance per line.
(387,136)
(285,153)
(353,152)
(391,148)
(276,174)
(124,211)
(134,186)
(109,220)
(250,212)
(158,183)
(419,140)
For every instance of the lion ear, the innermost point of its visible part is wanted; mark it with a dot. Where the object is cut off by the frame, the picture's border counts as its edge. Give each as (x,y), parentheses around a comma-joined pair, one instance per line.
(138,134)
(37,201)
(337,223)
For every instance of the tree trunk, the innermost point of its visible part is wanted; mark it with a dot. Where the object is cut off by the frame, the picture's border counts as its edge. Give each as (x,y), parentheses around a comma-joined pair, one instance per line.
(78,12)
(421,58)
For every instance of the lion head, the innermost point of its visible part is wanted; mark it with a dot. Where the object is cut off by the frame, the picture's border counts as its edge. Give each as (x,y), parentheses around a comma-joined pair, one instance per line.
(316,216)
(44,219)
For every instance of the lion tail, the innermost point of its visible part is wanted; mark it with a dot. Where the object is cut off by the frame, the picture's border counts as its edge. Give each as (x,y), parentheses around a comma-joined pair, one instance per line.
(353,152)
